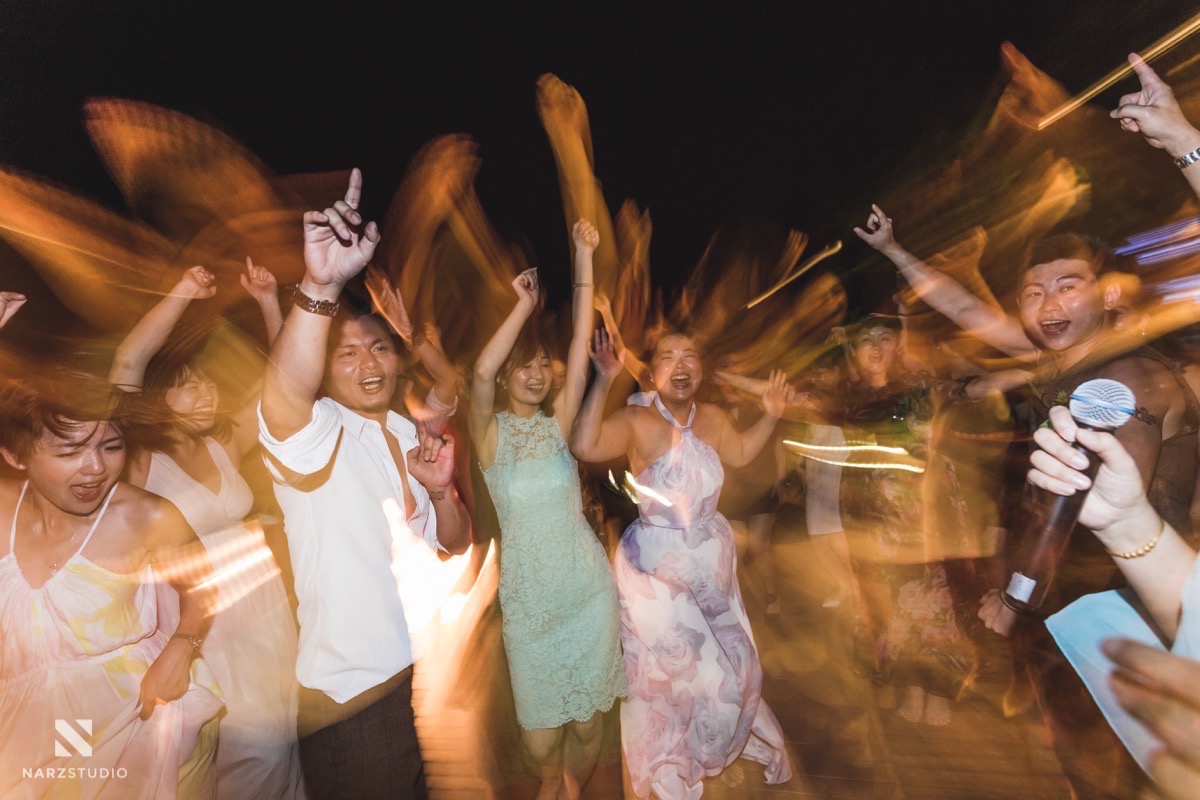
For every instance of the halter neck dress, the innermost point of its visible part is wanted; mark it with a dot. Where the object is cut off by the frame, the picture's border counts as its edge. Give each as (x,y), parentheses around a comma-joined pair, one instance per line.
(73,652)
(695,679)
(252,644)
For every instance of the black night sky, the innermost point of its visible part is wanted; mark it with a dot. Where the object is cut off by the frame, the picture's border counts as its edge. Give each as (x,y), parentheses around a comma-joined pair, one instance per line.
(795,113)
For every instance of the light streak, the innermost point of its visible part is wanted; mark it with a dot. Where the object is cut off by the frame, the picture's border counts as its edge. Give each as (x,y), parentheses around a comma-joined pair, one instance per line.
(646,490)
(874,448)
(1153,51)
(859,465)
(832,249)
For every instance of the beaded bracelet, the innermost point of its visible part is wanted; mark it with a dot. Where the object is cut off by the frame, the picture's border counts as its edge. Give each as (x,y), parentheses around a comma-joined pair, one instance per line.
(1146,548)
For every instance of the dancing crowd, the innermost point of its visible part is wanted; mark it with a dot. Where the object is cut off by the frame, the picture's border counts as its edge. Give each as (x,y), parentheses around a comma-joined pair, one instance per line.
(143,592)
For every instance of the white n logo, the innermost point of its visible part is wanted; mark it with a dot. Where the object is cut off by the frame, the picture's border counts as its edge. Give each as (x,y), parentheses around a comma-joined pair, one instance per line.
(69,736)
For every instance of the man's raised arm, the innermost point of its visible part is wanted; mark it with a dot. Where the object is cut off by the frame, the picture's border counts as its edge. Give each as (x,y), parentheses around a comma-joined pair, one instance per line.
(1155,113)
(337,246)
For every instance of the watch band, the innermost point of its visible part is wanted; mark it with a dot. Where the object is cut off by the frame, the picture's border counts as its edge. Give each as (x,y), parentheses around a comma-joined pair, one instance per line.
(1187,159)
(312,305)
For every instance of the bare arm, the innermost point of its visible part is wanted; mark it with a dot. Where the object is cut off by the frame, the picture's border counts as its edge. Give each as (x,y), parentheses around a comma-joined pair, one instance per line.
(585,239)
(151,331)
(594,438)
(946,295)
(633,365)
(259,283)
(182,560)
(739,448)
(1118,512)
(1155,113)
(481,419)
(427,347)
(998,382)
(337,245)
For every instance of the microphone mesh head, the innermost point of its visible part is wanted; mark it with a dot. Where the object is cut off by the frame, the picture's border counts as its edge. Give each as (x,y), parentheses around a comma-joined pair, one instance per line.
(1102,403)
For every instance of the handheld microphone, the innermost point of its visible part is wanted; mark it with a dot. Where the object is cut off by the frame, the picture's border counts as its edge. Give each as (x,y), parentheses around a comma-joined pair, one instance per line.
(1102,405)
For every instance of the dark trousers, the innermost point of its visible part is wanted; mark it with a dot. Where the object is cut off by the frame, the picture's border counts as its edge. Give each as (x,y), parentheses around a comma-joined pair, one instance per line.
(364,749)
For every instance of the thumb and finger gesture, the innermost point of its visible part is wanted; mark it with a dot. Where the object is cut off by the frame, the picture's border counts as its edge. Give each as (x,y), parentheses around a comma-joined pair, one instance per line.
(337,243)
(257,281)
(878,232)
(1154,112)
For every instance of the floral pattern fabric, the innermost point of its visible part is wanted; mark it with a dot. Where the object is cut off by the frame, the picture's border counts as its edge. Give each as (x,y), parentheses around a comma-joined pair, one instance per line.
(908,632)
(694,675)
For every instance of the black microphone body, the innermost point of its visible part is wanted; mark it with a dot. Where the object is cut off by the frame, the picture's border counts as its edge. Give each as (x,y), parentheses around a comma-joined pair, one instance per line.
(1099,405)
(1051,521)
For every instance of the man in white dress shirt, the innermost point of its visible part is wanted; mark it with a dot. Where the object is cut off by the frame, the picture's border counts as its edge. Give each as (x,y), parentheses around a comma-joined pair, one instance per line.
(338,462)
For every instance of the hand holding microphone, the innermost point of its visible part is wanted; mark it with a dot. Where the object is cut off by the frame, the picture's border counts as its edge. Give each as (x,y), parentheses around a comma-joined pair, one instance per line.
(1097,405)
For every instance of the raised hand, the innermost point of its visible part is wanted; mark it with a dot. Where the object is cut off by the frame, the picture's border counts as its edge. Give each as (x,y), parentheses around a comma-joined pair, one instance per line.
(585,236)
(337,245)
(605,359)
(389,302)
(10,302)
(526,286)
(431,465)
(197,283)
(878,232)
(1155,113)
(259,282)
(777,395)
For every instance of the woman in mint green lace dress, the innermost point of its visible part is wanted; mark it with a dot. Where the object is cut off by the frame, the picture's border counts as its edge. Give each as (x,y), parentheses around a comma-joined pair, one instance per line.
(557,593)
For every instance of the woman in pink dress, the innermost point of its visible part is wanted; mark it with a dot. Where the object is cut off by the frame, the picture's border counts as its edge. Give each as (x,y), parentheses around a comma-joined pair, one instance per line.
(694,675)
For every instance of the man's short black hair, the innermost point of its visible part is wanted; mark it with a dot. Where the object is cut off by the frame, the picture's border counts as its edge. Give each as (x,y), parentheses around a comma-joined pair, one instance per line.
(1073,246)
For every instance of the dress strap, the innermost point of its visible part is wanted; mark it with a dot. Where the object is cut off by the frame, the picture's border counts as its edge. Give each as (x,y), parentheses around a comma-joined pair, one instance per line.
(669,417)
(12,534)
(96,522)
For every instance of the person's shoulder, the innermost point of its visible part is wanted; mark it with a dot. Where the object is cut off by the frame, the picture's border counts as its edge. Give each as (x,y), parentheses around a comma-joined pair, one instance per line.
(1149,378)
(132,501)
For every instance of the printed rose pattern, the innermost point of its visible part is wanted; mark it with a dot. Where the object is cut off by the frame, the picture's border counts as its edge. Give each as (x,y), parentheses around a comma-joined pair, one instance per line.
(690,662)
(908,632)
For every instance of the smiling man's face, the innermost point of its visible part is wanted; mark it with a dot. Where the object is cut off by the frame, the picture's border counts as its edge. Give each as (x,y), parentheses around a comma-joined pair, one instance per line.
(1062,305)
(362,367)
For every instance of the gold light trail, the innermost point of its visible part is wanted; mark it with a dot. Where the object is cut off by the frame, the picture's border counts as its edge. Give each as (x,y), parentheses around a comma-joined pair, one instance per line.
(875,448)
(1153,51)
(858,465)
(832,249)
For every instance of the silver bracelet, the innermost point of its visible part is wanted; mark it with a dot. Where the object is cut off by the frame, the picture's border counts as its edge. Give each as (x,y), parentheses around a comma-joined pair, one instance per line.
(1187,159)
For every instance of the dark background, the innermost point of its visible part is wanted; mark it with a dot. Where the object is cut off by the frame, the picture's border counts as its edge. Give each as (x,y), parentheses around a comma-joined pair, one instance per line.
(795,113)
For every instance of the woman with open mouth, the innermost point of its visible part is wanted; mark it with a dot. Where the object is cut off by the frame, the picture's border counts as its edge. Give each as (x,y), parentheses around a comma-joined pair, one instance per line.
(97,699)
(695,679)
(556,587)
(187,450)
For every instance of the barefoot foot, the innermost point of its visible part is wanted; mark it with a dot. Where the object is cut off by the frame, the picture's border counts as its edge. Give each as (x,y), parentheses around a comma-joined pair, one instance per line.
(913,707)
(937,710)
